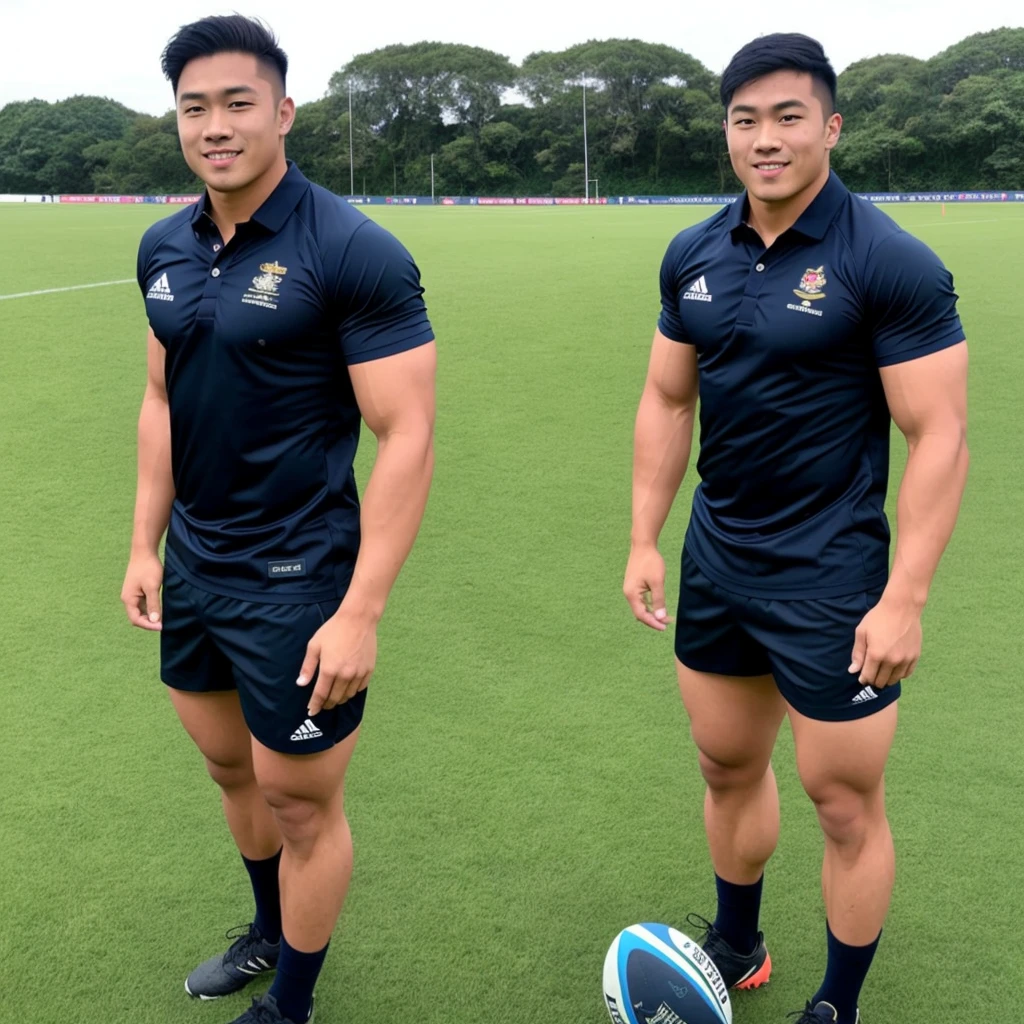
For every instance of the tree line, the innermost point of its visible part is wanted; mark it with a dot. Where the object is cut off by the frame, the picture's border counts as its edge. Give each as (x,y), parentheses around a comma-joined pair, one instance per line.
(653,125)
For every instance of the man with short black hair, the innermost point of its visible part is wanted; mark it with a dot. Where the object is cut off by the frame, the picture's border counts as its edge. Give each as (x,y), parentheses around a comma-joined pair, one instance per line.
(805,320)
(280,317)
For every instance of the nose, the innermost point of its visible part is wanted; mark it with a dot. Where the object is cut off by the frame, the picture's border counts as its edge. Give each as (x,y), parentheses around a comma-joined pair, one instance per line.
(767,140)
(217,127)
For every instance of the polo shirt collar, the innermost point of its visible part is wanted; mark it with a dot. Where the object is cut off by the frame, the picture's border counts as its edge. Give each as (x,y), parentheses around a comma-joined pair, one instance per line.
(276,208)
(813,222)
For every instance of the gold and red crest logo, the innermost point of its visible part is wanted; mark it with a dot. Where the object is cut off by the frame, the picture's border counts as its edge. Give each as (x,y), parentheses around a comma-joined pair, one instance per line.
(811,285)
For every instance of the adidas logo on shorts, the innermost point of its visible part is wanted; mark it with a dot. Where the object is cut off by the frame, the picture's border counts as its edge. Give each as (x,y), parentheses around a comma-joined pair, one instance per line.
(868,693)
(306,731)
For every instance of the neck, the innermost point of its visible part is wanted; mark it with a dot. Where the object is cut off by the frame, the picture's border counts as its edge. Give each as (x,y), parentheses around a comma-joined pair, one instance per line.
(770,220)
(228,209)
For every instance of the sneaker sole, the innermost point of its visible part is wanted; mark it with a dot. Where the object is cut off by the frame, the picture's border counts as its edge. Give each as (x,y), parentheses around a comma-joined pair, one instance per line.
(209,999)
(760,977)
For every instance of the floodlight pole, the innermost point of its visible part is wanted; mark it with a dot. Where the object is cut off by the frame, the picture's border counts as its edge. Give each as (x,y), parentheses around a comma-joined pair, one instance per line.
(586,156)
(351,164)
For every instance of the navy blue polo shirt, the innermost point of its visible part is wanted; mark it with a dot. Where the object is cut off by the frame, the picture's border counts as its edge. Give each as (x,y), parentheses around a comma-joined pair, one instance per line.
(259,335)
(794,425)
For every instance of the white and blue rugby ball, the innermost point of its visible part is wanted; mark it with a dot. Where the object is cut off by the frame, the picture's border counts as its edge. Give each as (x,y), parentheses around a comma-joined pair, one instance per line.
(654,974)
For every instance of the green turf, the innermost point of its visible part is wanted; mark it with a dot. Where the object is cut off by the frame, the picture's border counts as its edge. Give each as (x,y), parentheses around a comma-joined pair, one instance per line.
(525,785)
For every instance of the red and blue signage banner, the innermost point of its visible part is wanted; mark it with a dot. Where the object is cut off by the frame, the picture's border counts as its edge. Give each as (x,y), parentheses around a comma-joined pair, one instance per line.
(521,201)
(171,200)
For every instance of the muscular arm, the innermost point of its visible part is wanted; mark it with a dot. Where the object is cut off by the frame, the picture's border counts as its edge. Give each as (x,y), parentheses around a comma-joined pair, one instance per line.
(396,399)
(153,497)
(155,487)
(927,398)
(928,401)
(662,436)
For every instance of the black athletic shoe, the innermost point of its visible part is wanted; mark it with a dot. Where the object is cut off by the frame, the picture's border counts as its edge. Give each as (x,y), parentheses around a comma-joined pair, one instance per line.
(265,1011)
(738,970)
(822,1013)
(249,956)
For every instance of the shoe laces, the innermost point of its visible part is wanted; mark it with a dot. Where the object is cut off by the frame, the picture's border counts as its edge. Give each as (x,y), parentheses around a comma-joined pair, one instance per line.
(697,922)
(246,938)
(260,1013)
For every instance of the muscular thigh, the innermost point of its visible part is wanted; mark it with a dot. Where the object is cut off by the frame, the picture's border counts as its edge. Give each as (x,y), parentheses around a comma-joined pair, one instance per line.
(843,757)
(215,722)
(734,719)
(315,779)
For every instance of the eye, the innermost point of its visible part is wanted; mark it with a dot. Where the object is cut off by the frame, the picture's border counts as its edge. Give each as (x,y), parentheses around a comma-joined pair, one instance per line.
(240,103)
(192,110)
(790,117)
(743,121)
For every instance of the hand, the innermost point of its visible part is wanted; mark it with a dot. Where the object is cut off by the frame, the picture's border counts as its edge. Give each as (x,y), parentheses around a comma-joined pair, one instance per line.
(345,647)
(141,591)
(887,643)
(644,586)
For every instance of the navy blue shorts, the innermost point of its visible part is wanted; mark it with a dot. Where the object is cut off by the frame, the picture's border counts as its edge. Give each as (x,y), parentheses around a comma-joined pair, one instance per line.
(211,643)
(806,644)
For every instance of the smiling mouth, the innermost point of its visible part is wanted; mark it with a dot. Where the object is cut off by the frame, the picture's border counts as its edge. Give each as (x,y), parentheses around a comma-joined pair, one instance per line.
(222,154)
(770,167)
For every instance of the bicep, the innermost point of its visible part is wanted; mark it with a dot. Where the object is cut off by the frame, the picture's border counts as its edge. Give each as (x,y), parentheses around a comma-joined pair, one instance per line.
(396,393)
(155,358)
(672,371)
(929,395)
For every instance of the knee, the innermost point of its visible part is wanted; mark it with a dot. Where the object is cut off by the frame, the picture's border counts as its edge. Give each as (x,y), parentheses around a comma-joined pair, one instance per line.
(845,814)
(724,776)
(300,819)
(231,773)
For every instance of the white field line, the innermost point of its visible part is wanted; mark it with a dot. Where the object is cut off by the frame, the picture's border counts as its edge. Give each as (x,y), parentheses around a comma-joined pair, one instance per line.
(70,288)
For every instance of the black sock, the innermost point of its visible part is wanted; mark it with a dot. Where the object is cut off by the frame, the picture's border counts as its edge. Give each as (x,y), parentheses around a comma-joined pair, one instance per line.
(739,907)
(844,976)
(267,891)
(295,980)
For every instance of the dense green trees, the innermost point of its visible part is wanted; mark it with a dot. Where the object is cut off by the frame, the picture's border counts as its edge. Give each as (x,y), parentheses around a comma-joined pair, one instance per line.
(654,125)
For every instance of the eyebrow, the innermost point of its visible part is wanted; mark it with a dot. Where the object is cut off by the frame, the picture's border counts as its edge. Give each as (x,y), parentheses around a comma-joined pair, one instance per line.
(777,107)
(232,90)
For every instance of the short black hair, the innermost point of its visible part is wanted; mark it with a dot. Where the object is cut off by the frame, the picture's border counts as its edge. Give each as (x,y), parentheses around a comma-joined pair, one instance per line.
(222,34)
(780,51)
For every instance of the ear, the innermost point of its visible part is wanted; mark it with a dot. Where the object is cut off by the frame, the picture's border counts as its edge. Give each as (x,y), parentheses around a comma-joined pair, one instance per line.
(833,129)
(285,115)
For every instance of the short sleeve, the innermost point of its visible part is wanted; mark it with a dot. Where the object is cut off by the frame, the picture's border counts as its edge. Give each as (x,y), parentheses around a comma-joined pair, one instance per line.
(669,322)
(911,301)
(380,298)
(142,261)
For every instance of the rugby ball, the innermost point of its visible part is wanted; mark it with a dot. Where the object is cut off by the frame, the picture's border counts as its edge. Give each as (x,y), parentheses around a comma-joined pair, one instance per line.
(654,974)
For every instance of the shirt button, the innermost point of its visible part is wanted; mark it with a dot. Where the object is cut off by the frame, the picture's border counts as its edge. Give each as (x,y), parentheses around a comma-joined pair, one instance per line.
(759,267)
(216,247)
(215,272)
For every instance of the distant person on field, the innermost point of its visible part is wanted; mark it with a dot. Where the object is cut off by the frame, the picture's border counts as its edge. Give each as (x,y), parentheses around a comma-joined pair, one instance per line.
(804,320)
(280,318)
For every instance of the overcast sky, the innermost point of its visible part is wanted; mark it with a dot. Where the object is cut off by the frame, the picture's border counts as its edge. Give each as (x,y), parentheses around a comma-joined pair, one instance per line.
(51,49)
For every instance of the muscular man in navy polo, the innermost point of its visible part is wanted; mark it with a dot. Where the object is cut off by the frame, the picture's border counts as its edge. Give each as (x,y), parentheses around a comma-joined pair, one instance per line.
(280,318)
(805,320)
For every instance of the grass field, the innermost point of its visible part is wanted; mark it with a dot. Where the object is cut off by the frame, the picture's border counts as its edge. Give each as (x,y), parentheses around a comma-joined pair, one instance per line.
(525,785)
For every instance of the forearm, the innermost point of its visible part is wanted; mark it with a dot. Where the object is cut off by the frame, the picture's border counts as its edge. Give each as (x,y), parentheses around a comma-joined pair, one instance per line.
(926,512)
(392,510)
(155,489)
(662,438)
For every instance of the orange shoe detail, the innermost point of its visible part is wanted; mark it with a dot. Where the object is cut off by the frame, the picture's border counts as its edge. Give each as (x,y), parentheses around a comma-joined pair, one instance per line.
(759,978)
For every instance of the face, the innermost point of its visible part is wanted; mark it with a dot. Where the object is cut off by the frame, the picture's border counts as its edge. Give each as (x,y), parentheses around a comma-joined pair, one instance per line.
(232,120)
(780,135)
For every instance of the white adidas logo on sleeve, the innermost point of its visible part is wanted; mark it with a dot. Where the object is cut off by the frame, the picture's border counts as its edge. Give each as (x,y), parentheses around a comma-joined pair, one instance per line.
(698,291)
(161,289)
